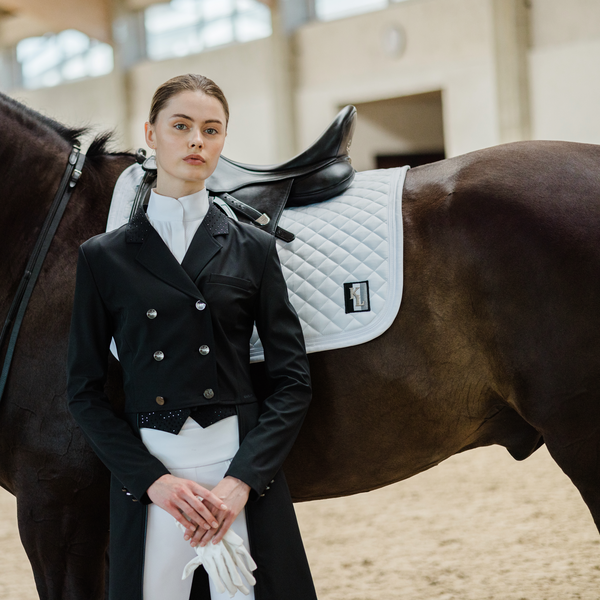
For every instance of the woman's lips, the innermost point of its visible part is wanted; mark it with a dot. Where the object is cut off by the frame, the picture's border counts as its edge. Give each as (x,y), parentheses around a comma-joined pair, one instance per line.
(194,159)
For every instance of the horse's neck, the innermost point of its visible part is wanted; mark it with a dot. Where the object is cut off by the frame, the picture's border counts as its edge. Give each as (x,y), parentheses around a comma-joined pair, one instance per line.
(98,189)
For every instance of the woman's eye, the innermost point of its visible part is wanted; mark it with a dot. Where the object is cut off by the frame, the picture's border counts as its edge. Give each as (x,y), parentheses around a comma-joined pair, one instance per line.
(211,131)
(180,126)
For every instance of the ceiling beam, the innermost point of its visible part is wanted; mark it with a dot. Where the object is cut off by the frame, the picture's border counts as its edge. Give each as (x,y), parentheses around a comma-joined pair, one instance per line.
(92,17)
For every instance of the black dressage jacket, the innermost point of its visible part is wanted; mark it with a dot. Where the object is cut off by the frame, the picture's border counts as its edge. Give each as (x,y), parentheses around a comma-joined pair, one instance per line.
(182,333)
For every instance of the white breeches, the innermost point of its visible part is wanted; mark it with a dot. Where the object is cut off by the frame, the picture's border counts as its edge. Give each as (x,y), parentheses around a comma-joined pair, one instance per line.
(201,455)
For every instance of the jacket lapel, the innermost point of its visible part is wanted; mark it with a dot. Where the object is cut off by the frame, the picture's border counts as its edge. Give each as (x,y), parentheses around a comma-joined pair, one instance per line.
(204,244)
(155,256)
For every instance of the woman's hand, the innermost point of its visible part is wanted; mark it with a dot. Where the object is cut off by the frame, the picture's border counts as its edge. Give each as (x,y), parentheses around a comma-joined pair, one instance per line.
(183,500)
(231,492)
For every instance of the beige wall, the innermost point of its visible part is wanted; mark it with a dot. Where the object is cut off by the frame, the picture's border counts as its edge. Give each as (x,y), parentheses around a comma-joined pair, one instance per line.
(450,54)
(448,48)
(245,73)
(564,67)
(97,102)
(558,22)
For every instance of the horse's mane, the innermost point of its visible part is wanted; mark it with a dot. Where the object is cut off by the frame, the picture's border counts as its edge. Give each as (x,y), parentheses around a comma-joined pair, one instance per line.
(98,146)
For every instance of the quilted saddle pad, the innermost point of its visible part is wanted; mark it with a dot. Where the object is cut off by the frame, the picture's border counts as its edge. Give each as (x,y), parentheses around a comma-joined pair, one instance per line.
(343,270)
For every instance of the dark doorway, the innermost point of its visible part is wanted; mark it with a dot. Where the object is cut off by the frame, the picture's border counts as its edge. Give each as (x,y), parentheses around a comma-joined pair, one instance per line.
(397,131)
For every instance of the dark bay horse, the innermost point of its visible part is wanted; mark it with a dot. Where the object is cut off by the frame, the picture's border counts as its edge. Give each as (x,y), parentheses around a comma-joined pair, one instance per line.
(497,340)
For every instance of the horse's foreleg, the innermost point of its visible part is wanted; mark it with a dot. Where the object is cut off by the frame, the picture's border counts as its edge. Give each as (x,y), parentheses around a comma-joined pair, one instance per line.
(65,543)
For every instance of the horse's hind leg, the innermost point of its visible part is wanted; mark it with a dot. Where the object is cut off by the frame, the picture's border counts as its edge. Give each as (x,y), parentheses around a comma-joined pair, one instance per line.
(65,542)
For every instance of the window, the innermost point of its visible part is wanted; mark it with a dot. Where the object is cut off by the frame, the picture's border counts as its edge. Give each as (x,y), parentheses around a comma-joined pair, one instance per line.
(55,58)
(188,26)
(328,10)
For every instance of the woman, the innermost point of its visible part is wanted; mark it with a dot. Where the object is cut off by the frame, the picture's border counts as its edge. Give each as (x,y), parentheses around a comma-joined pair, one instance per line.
(180,289)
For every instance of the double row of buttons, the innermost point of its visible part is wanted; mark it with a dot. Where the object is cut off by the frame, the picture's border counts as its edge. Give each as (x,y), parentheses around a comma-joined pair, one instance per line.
(152,313)
(159,355)
(207,393)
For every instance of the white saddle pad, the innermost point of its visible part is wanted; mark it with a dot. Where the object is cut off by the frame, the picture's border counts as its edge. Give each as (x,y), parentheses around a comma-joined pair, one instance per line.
(343,270)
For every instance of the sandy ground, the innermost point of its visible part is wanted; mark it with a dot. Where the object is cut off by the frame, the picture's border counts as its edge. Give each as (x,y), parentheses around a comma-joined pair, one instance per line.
(479,526)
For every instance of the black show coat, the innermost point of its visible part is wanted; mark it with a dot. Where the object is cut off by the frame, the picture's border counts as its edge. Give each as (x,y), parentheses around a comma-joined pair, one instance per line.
(229,279)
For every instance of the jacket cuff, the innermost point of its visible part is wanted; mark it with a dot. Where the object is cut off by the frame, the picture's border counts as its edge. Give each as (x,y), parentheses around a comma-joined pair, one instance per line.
(258,489)
(139,488)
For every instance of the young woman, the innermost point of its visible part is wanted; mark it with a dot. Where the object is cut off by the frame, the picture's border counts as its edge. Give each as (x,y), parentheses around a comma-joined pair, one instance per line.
(180,288)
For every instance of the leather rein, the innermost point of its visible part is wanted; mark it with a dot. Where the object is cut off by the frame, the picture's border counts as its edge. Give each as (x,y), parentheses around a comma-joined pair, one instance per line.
(16,312)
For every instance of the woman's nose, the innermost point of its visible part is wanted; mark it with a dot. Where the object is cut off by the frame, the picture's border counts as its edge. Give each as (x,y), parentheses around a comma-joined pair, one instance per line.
(196,139)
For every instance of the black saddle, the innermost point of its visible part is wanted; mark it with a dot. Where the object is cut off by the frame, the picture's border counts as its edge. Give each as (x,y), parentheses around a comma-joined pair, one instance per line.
(259,194)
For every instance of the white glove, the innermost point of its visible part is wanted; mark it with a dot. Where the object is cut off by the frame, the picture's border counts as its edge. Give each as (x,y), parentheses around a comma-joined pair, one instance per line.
(244,562)
(221,562)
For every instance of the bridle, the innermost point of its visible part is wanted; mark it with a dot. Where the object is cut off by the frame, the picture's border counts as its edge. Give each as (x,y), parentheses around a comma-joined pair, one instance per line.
(17,309)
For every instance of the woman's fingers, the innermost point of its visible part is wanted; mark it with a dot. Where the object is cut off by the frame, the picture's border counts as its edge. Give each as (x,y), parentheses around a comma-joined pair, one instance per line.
(211,516)
(181,517)
(179,497)
(197,512)
(202,537)
(207,496)
(218,535)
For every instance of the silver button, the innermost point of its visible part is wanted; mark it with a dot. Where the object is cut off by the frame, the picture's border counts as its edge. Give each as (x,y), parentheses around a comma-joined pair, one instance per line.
(158,355)
(209,394)
(151,313)
(200,305)
(204,350)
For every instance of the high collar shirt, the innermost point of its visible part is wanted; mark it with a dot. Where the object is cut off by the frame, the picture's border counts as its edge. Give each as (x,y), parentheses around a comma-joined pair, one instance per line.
(177,219)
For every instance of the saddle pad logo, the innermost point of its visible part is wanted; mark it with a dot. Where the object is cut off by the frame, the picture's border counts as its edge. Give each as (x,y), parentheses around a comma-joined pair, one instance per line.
(356,297)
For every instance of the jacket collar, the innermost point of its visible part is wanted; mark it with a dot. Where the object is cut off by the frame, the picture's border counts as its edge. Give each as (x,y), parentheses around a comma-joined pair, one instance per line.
(139,228)
(155,256)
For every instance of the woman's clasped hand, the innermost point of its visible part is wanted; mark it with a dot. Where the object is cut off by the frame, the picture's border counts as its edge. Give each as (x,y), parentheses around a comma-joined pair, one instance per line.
(203,514)
(184,501)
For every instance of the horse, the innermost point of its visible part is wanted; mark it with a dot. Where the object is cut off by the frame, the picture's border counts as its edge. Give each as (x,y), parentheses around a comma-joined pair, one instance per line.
(496,341)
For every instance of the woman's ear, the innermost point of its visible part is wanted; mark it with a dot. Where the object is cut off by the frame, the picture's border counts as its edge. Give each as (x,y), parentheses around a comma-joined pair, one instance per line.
(149,133)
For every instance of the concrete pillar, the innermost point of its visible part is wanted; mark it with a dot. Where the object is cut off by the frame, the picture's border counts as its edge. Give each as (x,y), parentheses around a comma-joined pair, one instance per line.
(511,22)
(129,47)
(283,61)
(295,13)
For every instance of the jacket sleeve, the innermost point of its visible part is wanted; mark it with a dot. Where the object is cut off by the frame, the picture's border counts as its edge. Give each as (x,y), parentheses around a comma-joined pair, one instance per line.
(265,447)
(110,436)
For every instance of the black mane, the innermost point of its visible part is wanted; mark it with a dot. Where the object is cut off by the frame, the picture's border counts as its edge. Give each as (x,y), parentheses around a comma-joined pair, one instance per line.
(98,146)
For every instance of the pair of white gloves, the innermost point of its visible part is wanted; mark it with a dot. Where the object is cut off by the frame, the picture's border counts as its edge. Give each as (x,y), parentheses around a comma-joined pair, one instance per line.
(222,562)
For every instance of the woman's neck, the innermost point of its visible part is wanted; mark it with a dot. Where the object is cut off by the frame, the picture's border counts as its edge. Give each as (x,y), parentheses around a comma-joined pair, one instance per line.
(174,187)
(178,191)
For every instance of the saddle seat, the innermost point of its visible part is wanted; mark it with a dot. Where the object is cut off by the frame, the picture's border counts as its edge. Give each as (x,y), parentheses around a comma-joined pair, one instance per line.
(320,172)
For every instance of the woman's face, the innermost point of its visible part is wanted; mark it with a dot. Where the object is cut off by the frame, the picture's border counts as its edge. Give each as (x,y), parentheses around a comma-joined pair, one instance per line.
(188,137)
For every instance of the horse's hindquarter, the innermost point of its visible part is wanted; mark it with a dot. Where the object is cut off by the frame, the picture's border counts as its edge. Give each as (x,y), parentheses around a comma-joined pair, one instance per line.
(518,241)
(497,331)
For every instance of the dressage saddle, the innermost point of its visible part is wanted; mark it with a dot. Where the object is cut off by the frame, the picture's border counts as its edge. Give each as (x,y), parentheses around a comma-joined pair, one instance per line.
(258,194)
